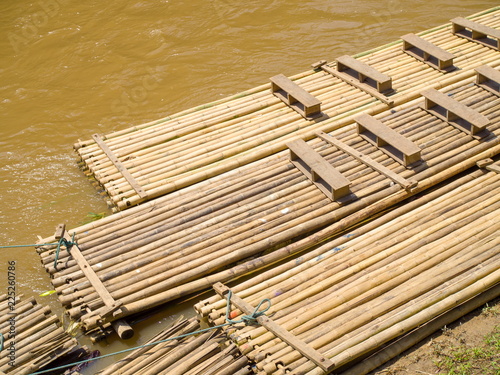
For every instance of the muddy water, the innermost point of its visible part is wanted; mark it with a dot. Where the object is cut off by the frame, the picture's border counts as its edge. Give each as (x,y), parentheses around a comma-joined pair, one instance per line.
(71,69)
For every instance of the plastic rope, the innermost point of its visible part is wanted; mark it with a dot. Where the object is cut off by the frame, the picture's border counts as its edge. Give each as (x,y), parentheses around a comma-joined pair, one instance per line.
(67,244)
(62,242)
(29,245)
(245,318)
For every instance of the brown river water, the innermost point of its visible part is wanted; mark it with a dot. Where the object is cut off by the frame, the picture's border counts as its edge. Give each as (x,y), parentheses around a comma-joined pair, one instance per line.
(70,69)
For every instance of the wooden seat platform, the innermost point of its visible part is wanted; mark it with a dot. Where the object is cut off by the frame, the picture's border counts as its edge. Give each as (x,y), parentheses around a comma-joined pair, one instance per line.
(476,32)
(428,53)
(358,155)
(388,140)
(488,78)
(383,81)
(361,76)
(328,179)
(454,112)
(295,96)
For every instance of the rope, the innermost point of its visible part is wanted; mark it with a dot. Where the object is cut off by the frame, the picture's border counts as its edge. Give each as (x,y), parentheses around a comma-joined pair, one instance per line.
(247,319)
(68,244)
(29,245)
(62,242)
(1,342)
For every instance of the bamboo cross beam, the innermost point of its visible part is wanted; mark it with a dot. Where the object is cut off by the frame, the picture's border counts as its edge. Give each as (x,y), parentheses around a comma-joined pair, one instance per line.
(118,164)
(358,155)
(278,331)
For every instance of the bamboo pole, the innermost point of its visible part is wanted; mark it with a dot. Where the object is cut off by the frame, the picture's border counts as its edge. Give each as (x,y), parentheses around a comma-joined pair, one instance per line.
(272,228)
(123,199)
(389,279)
(277,274)
(138,359)
(459,296)
(292,296)
(420,333)
(368,316)
(372,209)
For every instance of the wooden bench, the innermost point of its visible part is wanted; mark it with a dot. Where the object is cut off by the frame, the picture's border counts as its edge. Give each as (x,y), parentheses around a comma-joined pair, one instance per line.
(388,140)
(382,81)
(488,78)
(428,53)
(453,112)
(365,159)
(295,96)
(328,179)
(361,76)
(476,32)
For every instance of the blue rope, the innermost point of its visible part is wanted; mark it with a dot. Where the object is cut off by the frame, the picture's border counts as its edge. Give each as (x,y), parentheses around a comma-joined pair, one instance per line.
(245,318)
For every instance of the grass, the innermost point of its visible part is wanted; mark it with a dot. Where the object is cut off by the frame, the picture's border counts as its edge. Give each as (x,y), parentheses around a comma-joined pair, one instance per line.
(92,216)
(471,360)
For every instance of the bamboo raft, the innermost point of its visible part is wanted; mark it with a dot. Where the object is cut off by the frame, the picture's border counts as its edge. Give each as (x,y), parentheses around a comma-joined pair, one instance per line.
(33,337)
(407,273)
(266,211)
(202,354)
(146,161)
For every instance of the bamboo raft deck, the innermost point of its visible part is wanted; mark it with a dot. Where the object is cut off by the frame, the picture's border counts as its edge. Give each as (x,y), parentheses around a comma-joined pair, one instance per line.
(202,354)
(160,157)
(362,298)
(37,336)
(265,211)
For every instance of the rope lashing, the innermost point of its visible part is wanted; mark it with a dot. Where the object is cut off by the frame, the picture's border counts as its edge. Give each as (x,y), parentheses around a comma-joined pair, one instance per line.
(67,244)
(62,242)
(247,319)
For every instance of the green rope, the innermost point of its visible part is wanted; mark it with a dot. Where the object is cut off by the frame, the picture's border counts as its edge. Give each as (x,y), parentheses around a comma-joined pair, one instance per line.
(68,244)
(245,318)
(1,342)
(62,242)
(29,245)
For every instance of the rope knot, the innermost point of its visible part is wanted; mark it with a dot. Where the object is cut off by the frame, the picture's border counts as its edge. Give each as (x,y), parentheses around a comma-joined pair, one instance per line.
(247,319)
(67,244)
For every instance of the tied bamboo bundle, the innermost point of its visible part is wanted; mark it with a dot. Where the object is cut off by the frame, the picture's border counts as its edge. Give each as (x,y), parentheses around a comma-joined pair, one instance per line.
(166,155)
(142,256)
(33,337)
(354,295)
(198,354)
